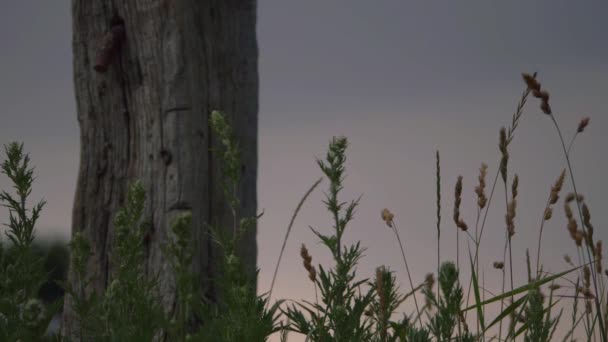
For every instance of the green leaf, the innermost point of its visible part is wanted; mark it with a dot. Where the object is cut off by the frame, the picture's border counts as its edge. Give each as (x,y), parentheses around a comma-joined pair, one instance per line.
(478,303)
(524,288)
(507,311)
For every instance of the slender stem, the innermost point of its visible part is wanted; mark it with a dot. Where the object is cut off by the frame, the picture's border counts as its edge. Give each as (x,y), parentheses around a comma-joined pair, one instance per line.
(572,142)
(502,302)
(540,236)
(511,269)
(578,204)
(293,218)
(474,261)
(407,269)
(438,218)
(457,249)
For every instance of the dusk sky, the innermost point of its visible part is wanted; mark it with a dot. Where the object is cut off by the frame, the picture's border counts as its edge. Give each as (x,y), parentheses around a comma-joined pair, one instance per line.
(399,79)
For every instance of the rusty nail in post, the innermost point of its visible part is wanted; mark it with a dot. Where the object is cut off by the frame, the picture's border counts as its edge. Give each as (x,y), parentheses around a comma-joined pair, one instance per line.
(111,43)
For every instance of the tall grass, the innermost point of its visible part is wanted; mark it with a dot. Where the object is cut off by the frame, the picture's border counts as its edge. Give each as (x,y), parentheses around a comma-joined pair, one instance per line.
(347,307)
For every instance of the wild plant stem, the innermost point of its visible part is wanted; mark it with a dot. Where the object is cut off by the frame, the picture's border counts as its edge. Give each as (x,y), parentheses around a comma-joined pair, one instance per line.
(511,268)
(293,218)
(540,236)
(457,249)
(407,269)
(476,240)
(514,123)
(578,204)
(438,177)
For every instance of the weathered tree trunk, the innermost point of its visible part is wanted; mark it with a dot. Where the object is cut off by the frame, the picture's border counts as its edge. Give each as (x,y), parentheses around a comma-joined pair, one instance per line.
(146,117)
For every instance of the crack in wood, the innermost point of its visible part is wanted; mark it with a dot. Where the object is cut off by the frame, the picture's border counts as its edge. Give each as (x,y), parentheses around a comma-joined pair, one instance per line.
(177,109)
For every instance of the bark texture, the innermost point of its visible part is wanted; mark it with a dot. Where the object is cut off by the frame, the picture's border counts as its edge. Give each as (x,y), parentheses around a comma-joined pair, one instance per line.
(146,118)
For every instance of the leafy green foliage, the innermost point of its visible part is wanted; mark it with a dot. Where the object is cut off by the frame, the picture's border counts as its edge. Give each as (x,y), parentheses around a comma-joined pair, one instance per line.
(22,315)
(349,308)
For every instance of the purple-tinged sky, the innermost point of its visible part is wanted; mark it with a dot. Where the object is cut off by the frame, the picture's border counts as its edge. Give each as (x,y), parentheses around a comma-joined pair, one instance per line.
(400,79)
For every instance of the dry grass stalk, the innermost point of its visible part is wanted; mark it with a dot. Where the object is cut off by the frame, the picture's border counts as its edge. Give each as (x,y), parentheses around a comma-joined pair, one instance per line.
(502,146)
(557,187)
(535,87)
(307,261)
(581,125)
(572,225)
(511,208)
(482,200)
(548,213)
(586,277)
(589,226)
(458,198)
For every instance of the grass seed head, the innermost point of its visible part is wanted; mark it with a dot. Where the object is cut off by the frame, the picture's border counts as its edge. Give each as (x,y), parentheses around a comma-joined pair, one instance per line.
(457,199)
(502,146)
(480,189)
(557,187)
(307,261)
(578,238)
(531,81)
(581,125)
(548,213)
(387,217)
